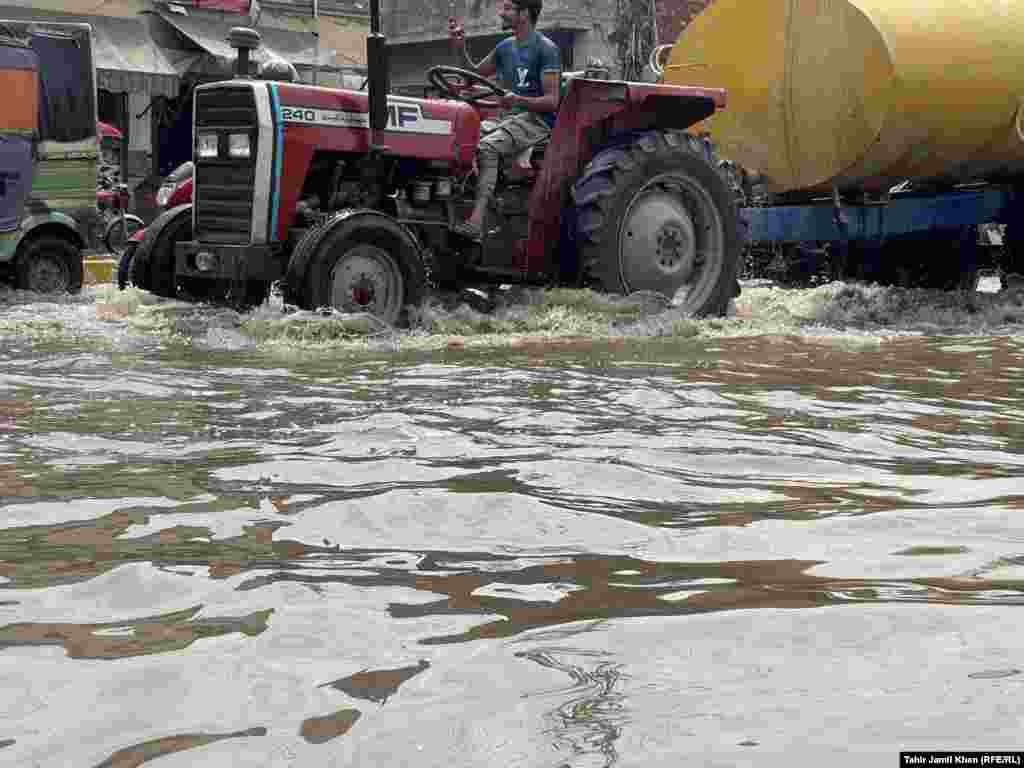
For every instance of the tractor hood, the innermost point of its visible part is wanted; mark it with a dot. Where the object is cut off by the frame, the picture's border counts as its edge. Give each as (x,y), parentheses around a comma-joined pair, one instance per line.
(429,129)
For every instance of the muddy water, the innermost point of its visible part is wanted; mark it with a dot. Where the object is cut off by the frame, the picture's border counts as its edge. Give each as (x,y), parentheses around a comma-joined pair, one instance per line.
(569,532)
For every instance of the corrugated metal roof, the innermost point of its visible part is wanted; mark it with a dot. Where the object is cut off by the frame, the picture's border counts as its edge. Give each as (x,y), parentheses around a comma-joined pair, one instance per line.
(324,7)
(210,32)
(126,57)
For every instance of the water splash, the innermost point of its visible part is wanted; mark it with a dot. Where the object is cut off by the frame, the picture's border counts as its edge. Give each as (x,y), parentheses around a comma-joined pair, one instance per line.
(513,318)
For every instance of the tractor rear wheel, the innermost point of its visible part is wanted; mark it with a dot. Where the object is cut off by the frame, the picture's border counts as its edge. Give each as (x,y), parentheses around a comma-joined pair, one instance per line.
(658,215)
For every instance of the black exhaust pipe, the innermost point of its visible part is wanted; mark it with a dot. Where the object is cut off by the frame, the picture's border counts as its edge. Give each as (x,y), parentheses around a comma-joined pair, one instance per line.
(243,40)
(377,62)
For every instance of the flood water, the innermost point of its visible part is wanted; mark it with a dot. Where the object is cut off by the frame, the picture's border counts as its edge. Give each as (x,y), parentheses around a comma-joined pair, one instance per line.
(569,533)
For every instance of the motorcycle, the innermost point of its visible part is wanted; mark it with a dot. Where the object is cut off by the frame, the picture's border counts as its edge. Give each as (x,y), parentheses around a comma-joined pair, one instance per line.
(118,225)
(175,190)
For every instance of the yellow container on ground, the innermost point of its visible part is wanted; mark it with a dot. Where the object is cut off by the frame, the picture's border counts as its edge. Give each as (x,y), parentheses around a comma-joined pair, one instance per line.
(861,94)
(99,269)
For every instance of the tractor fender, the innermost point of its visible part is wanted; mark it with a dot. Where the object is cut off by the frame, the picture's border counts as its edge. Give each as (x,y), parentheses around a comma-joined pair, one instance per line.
(351,221)
(146,237)
(140,261)
(52,223)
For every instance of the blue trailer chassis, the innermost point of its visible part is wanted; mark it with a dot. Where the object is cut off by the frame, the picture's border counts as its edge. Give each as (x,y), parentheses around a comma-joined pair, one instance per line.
(903,214)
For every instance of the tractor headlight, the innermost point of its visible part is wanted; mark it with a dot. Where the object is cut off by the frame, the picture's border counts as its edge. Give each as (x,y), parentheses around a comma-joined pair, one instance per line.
(238,145)
(206,145)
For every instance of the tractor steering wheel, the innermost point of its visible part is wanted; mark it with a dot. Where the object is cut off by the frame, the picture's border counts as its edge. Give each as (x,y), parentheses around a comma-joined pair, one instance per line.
(455,82)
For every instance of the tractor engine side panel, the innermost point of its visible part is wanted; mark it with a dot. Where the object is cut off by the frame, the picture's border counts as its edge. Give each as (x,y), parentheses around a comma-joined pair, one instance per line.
(310,120)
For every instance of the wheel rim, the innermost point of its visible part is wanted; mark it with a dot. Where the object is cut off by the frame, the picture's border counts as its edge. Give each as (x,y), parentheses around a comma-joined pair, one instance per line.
(48,274)
(671,240)
(118,234)
(367,279)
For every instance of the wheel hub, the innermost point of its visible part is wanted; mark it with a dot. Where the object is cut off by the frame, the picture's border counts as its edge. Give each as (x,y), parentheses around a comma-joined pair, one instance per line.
(46,275)
(658,242)
(363,292)
(675,251)
(366,279)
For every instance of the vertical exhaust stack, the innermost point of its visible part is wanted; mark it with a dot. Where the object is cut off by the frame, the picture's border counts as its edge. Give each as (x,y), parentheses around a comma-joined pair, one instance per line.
(243,40)
(377,61)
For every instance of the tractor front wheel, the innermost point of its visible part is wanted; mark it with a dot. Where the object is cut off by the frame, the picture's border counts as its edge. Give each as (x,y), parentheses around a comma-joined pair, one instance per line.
(367,270)
(657,215)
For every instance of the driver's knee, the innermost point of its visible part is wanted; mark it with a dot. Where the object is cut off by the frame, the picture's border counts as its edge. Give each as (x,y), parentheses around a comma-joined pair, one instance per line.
(496,145)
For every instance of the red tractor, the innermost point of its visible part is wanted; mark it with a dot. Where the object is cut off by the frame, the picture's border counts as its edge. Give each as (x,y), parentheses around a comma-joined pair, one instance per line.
(349,197)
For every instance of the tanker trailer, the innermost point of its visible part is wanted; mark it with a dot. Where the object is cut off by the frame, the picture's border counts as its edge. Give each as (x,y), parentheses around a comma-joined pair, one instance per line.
(881,127)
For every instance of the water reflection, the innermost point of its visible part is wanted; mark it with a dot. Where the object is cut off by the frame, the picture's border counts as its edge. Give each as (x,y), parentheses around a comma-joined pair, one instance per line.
(319,730)
(131,757)
(123,639)
(379,684)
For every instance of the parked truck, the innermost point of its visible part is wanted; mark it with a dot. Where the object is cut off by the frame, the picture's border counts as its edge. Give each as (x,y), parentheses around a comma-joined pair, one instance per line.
(882,133)
(48,152)
(349,198)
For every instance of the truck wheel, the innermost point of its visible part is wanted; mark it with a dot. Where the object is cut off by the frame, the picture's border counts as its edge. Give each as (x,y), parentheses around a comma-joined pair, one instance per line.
(50,264)
(657,215)
(365,269)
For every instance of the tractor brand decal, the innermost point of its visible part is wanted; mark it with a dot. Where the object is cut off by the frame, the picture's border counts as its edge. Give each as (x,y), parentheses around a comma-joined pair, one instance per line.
(403,117)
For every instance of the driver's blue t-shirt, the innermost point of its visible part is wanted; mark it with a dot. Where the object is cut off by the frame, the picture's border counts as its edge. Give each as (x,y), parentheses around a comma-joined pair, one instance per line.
(521,67)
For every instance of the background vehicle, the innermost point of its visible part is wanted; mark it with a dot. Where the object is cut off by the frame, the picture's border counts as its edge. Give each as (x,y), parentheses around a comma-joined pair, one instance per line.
(175,190)
(115,225)
(49,154)
(862,139)
(349,197)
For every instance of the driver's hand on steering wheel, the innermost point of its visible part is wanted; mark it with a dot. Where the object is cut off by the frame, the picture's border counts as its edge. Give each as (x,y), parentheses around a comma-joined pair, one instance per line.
(456,34)
(509,99)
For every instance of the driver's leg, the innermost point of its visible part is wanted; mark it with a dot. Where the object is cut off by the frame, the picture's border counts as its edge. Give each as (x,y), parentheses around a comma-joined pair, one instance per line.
(510,138)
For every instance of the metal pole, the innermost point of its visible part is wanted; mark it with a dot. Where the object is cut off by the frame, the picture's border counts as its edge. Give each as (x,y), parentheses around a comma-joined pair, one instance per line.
(316,34)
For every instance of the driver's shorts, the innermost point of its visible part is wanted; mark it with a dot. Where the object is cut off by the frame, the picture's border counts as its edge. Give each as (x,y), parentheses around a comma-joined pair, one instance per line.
(515,134)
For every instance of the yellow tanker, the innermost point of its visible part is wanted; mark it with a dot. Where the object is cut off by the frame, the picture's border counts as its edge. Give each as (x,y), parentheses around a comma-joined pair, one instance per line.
(861,94)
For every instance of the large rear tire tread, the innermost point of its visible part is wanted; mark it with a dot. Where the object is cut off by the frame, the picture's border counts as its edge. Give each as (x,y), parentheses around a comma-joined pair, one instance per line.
(65,254)
(611,179)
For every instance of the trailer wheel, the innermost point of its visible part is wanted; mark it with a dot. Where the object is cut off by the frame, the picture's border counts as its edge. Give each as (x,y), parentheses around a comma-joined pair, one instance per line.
(50,264)
(658,215)
(367,268)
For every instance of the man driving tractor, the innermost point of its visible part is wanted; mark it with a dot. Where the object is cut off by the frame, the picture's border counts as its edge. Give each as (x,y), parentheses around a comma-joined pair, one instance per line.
(529,66)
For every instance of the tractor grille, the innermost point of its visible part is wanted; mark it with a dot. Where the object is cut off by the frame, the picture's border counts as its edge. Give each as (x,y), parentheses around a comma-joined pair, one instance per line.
(224,187)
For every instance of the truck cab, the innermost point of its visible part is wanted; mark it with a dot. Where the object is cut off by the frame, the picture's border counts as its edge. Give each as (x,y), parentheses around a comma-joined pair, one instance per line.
(49,155)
